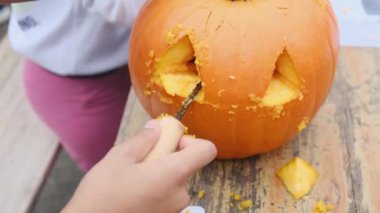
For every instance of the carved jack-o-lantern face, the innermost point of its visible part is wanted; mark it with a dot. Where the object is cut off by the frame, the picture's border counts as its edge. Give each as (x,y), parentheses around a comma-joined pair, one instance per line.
(265,66)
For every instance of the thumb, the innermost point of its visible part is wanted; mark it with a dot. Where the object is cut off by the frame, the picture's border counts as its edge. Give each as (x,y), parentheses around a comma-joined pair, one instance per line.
(137,147)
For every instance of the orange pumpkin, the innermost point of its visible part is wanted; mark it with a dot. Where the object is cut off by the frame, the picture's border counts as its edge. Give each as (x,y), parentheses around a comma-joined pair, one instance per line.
(266,67)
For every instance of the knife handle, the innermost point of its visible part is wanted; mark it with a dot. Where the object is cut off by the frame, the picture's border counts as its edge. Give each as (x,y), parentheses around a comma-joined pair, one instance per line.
(171,133)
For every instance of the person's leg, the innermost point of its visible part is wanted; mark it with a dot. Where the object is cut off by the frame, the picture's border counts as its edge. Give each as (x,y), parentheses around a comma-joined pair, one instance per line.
(85,113)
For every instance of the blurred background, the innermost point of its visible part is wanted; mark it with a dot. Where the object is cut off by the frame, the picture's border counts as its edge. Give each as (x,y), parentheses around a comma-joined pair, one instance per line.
(64,175)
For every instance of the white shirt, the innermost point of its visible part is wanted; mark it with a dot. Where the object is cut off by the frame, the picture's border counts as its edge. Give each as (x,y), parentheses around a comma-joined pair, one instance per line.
(74,37)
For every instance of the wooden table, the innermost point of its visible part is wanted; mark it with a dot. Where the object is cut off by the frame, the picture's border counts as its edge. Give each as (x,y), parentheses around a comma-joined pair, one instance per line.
(342,143)
(27,147)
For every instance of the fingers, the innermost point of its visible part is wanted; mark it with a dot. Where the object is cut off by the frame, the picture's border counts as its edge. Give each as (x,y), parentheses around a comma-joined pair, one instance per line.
(185,141)
(195,154)
(137,147)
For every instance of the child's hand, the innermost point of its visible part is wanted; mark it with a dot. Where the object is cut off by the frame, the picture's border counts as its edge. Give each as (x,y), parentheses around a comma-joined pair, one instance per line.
(121,182)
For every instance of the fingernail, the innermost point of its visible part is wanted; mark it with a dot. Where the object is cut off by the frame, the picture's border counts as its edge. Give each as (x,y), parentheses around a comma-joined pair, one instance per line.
(151,124)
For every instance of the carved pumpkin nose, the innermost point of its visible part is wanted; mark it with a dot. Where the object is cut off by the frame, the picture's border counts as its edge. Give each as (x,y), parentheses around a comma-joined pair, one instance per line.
(285,84)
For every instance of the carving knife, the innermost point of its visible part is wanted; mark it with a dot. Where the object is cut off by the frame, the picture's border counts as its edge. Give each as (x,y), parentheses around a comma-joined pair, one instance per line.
(170,132)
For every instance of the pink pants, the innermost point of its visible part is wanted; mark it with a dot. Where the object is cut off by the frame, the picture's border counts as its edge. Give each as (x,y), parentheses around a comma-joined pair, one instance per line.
(84,112)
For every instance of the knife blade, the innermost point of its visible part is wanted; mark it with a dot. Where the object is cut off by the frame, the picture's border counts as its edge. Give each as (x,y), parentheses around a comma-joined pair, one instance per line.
(188,101)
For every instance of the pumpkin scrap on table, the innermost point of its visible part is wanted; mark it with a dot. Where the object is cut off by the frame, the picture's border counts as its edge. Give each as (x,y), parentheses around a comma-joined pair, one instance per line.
(322,207)
(298,176)
(266,67)
(237,201)
(245,205)
(201,194)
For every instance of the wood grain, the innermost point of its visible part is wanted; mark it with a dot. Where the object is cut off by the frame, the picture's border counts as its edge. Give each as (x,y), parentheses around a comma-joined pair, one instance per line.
(27,148)
(342,143)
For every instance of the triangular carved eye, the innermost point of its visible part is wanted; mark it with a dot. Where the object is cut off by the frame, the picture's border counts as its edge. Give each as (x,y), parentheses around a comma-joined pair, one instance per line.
(285,84)
(176,70)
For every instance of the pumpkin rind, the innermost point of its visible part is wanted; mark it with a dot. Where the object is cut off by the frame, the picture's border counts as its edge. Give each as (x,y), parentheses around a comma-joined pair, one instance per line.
(237,48)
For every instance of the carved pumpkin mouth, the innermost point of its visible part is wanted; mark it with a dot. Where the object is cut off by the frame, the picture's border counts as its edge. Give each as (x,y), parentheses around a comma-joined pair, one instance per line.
(285,84)
(176,70)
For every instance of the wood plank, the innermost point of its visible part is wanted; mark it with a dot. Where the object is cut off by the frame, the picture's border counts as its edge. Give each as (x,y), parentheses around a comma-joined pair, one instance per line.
(342,143)
(358,100)
(27,147)
(134,118)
